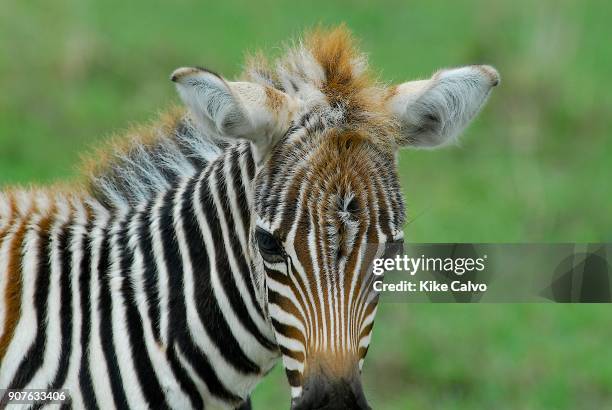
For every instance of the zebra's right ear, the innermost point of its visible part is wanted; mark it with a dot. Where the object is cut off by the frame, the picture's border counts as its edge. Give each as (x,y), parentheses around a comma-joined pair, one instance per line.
(235,109)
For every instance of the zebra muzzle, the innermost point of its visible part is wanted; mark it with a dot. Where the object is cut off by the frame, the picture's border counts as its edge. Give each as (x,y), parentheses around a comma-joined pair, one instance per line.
(321,392)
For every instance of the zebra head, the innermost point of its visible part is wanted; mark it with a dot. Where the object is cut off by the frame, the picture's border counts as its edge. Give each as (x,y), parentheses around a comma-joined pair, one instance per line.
(326,193)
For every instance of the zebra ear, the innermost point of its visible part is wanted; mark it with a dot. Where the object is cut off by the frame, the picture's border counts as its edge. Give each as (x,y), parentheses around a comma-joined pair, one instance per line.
(235,109)
(433,112)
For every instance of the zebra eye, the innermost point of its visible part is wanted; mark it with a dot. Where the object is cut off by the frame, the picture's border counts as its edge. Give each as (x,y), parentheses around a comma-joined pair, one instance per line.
(269,247)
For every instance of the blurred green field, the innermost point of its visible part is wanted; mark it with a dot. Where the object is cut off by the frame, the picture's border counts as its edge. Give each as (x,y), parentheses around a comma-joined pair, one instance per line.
(535,167)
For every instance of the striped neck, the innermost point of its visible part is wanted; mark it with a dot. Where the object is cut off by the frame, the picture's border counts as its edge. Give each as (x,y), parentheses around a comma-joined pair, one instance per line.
(204,226)
(186,256)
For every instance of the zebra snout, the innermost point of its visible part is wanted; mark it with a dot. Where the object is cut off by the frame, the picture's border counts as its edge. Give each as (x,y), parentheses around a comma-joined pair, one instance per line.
(321,393)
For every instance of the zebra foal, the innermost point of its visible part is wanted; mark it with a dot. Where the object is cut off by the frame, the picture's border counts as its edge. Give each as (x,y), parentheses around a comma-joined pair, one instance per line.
(226,236)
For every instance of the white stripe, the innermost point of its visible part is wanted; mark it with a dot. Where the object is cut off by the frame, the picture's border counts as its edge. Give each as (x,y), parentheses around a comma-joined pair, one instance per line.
(352,307)
(121,340)
(6,210)
(337,320)
(365,341)
(286,318)
(285,291)
(330,304)
(53,345)
(248,185)
(157,247)
(290,343)
(97,363)
(291,364)
(24,201)
(296,391)
(233,202)
(76,248)
(320,336)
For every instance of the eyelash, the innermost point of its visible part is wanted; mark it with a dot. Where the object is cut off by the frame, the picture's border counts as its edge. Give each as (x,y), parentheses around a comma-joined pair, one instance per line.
(269,246)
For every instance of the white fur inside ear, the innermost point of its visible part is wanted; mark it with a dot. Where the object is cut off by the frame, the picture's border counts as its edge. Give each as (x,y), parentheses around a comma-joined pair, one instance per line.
(212,101)
(236,109)
(433,112)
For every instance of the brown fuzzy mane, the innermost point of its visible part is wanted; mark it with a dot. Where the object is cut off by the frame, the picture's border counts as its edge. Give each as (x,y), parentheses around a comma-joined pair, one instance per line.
(105,156)
(346,73)
(330,61)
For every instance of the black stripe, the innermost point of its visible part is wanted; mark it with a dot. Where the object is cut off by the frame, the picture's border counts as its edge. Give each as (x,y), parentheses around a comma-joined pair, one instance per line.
(207,305)
(180,374)
(184,380)
(106,326)
(150,277)
(391,193)
(85,383)
(223,190)
(223,266)
(176,305)
(294,377)
(278,276)
(366,330)
(200,363)
(289,331)
(177,329)
(33,359)
(143,367)
(240,190)
(246,405)
(64,241)
(286,304)
(250,163)
(268,199)
(294,354)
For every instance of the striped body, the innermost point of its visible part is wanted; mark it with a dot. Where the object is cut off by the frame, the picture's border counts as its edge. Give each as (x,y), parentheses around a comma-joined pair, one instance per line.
(154,305)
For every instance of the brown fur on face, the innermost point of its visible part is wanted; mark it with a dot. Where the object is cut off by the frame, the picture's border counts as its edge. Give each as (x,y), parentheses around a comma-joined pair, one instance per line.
(333,168)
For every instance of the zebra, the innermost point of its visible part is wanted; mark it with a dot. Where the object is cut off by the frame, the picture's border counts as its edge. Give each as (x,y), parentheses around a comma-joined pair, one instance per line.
(232,233)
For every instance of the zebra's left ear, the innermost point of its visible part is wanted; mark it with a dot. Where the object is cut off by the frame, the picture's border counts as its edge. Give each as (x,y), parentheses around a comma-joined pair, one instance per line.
(235,109)
(433,112)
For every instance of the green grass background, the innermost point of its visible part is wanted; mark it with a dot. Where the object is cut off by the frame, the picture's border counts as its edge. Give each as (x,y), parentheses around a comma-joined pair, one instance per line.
(534,167)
